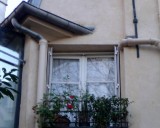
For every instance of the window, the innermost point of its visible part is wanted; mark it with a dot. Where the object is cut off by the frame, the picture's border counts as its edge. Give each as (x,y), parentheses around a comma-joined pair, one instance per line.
(96,74)
(11,43)
(7,106)
(35,2)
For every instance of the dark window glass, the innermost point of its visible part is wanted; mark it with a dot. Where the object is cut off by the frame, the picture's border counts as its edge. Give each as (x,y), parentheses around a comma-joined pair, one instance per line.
(11,49)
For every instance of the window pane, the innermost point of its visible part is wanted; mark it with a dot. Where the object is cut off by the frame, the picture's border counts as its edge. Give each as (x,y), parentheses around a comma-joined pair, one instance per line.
(70,88)
(12,43)
(100,69)
(7,106)
(65,70)
(101,89)
(9,58)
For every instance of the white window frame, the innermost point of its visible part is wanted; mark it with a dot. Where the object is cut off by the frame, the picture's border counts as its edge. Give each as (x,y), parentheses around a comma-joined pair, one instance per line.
(83,66)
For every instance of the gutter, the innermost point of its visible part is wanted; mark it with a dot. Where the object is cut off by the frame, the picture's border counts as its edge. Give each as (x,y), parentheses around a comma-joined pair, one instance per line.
(134,42)
(25,30)
(42,64)
(25,9)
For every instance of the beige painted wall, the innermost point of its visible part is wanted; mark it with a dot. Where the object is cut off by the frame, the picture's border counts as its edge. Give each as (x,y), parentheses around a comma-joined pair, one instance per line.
(105,15)
(140,76)
(142,85)
(112,20)
(29,84)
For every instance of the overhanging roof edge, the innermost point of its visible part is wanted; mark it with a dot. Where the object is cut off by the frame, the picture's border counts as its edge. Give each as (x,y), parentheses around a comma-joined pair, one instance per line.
(24,9)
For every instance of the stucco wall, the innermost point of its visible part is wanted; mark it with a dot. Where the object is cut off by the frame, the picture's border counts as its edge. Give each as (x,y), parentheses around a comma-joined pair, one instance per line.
(140,76)
(112,20)
(105,15)
(148,18)
(142,85)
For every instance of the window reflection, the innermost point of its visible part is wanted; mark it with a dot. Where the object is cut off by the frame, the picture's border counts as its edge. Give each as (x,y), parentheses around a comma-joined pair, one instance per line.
(7,106)
(11,43)
(7,57)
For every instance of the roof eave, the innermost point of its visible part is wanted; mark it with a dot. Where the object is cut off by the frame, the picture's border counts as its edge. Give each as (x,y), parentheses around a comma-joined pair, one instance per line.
(25,9)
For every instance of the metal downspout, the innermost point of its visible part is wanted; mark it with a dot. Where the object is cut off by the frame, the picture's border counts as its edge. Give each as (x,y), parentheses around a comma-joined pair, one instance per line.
(135,22)
(159,11)
(41,83)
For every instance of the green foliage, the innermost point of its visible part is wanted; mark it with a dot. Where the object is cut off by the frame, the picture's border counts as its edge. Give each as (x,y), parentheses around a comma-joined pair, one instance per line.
(119,109)
(85,113)
(48,110)
(100,110)
(8,79)
(109,110)
(44,112)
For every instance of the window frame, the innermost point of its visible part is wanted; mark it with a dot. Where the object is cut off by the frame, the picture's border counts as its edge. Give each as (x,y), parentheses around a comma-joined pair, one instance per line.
(9,37)
(83,59)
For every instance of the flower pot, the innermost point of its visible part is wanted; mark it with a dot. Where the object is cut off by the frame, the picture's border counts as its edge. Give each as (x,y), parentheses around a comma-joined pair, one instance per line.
(61,121)
(83,119)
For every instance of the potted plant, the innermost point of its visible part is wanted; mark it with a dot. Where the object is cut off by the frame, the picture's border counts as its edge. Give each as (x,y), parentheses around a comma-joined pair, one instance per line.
(102,108)
(110,112)
(84,114)
(48,111)
(56,110)
(119,112)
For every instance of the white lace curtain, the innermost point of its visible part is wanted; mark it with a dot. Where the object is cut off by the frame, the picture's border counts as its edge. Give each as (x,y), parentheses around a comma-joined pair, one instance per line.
(100,75)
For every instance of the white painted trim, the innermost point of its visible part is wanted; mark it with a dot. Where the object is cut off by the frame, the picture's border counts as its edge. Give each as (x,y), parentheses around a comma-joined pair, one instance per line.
(50,67)
(64,82)
(100,81)
(83,68)
(116,56)
(84,54)
(83,74)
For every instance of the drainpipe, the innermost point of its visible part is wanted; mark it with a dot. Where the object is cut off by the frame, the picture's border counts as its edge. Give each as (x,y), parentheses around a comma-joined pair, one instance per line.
(41,83)
(159,10)
(135,22)
(134,42)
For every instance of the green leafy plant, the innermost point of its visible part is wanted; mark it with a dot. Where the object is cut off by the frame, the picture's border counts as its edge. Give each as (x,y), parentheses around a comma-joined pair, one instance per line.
(101,111)
(48,111)
(102,108)
(8,79)
(85,112)
(118,109)
(109,111)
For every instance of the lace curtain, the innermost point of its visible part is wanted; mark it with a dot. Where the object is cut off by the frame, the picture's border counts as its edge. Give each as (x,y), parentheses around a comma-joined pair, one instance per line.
(100,75)
(65,75)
